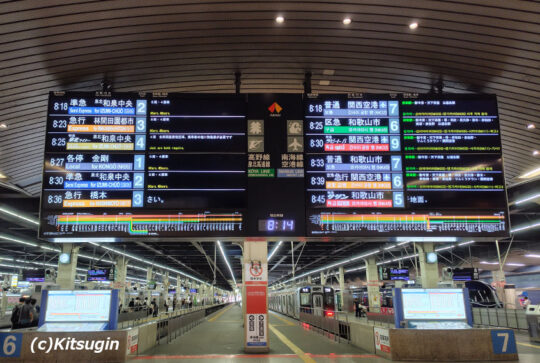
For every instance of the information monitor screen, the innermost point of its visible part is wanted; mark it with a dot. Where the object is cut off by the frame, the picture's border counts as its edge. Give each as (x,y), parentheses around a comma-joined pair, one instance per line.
(433,304)
(78,306)
(404,165)
(102,274)
(34,275)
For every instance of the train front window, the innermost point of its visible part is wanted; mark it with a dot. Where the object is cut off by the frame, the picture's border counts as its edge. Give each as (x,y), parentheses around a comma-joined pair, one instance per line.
(329,299)
(304,298)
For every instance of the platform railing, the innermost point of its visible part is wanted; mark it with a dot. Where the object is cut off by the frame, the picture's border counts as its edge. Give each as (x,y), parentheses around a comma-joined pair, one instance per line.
(500,317)
(333,322)
(165,315)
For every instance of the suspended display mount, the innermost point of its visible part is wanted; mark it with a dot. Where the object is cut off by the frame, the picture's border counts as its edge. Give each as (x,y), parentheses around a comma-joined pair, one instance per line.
(124,166)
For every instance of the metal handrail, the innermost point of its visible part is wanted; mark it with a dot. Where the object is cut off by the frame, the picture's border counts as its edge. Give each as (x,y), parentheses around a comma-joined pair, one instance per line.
(500,317)
(330,321)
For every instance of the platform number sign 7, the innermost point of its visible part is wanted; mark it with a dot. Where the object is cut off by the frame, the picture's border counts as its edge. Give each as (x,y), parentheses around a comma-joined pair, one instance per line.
(503,342)
(10,344)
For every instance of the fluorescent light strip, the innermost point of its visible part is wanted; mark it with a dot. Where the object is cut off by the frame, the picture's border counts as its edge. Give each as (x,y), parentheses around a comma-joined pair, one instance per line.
(133,257)
(530,174)
(274,251)
(340,263)
(532,255)
(518,229)
(13,214)
(506,264)
(526,199)
(226,261)
(444,248)
(18,266)
(9,238)
(465,243)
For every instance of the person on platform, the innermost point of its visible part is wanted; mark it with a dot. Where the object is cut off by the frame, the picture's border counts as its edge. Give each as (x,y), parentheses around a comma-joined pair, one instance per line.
(27,314)
(174,302)
(357,308)
(526,302)
(131,304)
(16,313)
(35,312)
(154,307)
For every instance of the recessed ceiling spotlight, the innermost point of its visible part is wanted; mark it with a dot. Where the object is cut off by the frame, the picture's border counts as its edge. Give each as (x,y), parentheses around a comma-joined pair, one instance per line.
(2,176)
(531,126)
(536,152)
(3,126)
(347,21)
(413,25)
(324,82)
(280,19)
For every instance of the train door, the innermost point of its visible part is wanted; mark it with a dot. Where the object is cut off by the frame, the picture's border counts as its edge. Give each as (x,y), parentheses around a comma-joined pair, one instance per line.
(317,301)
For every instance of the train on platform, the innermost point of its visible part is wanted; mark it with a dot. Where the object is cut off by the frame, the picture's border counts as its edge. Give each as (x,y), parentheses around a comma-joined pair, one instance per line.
(481,294)
(318,300)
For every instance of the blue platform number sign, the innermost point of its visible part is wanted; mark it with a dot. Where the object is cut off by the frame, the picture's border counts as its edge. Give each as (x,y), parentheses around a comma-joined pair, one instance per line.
(10,345)
(503,342)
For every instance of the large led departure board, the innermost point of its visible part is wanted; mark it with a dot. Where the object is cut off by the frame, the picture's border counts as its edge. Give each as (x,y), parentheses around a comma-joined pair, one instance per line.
(122,166)
(396,165)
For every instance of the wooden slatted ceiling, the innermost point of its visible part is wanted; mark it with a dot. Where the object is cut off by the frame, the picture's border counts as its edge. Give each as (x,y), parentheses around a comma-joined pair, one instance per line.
(196,46)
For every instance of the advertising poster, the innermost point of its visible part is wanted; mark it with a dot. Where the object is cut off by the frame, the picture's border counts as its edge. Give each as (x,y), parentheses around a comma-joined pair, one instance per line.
(382,340)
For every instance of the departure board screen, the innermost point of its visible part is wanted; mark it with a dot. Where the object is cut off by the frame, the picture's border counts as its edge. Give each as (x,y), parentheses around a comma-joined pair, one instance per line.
(126,165)
(410,166)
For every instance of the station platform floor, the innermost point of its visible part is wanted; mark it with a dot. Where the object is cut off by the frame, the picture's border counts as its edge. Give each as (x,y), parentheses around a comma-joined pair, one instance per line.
(220,339)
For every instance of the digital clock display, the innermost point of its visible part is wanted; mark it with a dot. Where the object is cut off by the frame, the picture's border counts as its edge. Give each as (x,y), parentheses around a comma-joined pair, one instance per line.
(276,225)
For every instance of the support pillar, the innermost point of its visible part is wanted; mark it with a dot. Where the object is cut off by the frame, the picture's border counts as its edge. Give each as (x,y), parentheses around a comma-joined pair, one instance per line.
(499,280)
(178,291)
(323,279)
(255,274)
(341,287)
(373,289)
(67,271)
(121,274)
(309,280)
(148,279)
(429,271)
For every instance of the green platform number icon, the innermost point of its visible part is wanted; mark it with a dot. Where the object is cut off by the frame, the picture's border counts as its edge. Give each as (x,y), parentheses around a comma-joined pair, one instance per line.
(10,345)
(503,342)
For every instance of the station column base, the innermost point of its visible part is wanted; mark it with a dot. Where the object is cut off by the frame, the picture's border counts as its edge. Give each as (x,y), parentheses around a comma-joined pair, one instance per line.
(255,297)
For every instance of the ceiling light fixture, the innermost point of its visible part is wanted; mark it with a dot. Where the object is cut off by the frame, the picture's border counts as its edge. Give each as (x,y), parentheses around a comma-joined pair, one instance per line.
(347,21)
(531,126)
(535,152)
(530,174)
(465,243)
(159,266)
(226,261)
(444,248)
(532,255)
(3,126)
(280,19)
(13,214)
(527,199)
(274,251)
(519,229)
(413,25)
(3,176)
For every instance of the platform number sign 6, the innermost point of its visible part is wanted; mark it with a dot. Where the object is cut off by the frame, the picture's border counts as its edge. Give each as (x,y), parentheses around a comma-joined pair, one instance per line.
(503,342)
(10,344)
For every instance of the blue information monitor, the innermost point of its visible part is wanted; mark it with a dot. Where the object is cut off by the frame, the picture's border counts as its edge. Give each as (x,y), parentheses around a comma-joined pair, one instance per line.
(78,310)
(432,308)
